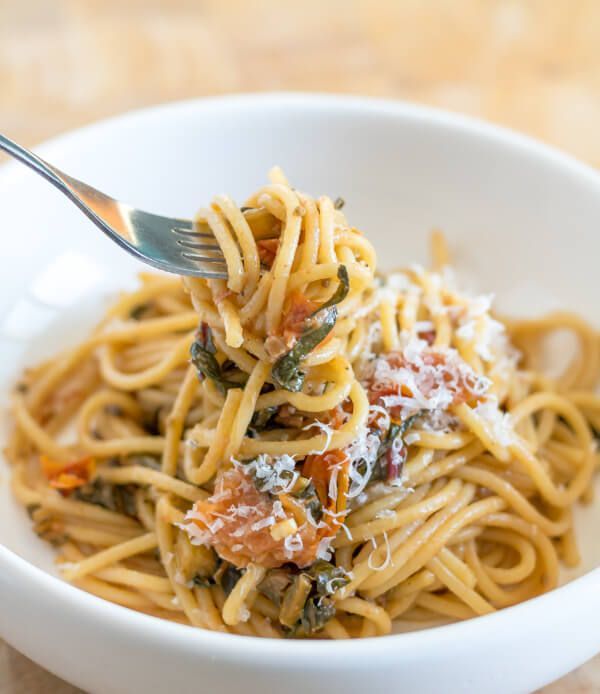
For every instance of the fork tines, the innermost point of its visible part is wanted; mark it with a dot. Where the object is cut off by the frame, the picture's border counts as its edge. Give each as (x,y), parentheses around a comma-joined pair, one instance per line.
(191,231)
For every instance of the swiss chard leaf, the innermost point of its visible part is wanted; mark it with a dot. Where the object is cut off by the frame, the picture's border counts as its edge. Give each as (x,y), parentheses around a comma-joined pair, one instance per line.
(318,608)
(396,429)
(274,584)
(341,292)
(114,497)
(327,577)
(137,312)
(266,478)
(202,353)
(229,578)
(315,615)
(317,612)
(286,370)
(395,432)
(304,598)
(202,581)
(311,501)
(263,419)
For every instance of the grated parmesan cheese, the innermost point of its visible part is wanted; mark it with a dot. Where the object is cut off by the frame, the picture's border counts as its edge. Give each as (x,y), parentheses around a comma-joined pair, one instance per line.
(324,550)
(362,452)
(326,429)
(424,326)
(422,378)
(272,474)
(388,557)
(278,511)
(499,423)
(216,525)
(293,543)
(263,523)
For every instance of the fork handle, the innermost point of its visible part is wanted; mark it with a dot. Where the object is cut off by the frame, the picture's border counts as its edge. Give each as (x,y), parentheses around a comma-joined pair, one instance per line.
(89,200)
(84,196)
(32,161)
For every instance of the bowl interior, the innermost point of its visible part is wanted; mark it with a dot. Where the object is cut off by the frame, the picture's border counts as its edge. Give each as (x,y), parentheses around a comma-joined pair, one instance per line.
(521,220)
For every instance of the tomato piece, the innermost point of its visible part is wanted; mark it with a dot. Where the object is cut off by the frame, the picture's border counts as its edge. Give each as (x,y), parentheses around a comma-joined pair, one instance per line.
(298,310)
(238,520)
(68,476)
(320,468)
(267,250)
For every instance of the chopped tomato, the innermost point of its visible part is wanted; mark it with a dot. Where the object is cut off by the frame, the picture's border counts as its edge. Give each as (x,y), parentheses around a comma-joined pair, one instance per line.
(238,521)
(335,417)
(67,476)
(376,394)
(320,468)
(298,310)
(267,250)
(459,382)
(428,336)
(241,522)
(378,420)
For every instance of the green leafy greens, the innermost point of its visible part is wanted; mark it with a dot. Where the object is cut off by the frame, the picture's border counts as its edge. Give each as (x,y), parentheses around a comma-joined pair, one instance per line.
(327,577)
(203,357)
(309,497)
(341,292)
(385,468)
(318,607)
(304,598)
(138,312)
(317,612)
(114,497)
(262,419)
(230,576)
(286,371)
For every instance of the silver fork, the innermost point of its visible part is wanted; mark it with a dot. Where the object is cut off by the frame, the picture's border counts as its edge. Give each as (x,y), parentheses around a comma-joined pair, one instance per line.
(174,245)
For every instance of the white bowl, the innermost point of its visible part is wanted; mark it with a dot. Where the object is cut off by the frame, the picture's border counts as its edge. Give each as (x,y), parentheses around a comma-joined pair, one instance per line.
(522,220)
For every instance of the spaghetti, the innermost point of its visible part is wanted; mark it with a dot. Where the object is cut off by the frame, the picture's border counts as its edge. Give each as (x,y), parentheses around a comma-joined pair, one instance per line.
(308,448)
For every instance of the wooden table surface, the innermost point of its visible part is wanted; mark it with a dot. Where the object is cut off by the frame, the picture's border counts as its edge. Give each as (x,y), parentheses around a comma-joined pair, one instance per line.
(533,65)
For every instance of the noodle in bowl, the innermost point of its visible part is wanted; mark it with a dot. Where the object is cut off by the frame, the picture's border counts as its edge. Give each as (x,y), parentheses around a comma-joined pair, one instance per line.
(446,469)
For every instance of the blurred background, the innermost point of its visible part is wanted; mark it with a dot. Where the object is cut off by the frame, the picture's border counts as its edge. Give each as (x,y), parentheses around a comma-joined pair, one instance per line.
(533,65)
